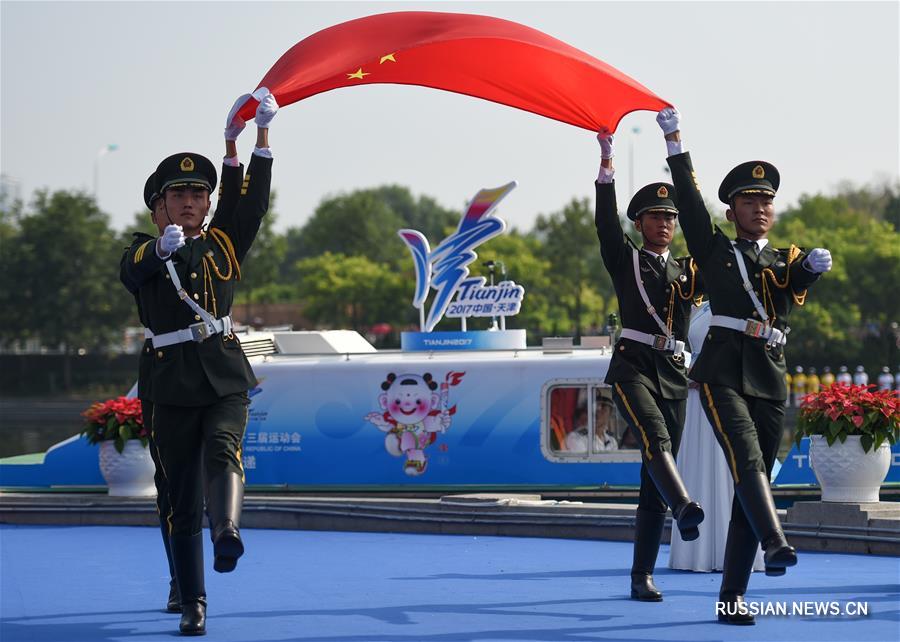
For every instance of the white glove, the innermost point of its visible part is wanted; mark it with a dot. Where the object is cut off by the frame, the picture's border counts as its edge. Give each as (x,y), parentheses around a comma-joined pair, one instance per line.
(266,111)
(234,124)
(669,120)
(607,147)
(171,239)
(818,260)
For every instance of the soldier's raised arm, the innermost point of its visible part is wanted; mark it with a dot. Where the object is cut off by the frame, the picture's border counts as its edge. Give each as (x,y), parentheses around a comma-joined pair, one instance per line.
(241,219)
(606,214)
(232,169)
(694,217)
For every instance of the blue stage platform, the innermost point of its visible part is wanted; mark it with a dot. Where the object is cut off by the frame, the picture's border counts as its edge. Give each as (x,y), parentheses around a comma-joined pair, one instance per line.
(73,584)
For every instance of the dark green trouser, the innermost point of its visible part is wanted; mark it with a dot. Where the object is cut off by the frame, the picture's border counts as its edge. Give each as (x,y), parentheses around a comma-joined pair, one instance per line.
(657,425)
(186,434)
(159,480)
(749,431)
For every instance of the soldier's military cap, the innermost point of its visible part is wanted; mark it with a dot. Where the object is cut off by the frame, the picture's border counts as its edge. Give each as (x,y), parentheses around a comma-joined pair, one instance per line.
(150,193)
(655,197)
(183,170)
(752,177)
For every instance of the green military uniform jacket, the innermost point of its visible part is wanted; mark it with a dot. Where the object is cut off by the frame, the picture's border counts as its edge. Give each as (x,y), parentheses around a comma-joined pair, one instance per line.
(229,190)
(191,373)
(731,358)
(671,292)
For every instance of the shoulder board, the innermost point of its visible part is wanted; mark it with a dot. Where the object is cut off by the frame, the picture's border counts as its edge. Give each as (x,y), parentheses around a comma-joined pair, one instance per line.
(141,236)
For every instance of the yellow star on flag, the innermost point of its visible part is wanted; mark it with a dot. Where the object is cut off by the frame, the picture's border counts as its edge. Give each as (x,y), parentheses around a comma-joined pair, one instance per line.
(358,74)
(384,59)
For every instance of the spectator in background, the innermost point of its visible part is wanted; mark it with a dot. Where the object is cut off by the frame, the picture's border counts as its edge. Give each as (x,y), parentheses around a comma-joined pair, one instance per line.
(813,383)
(577,440)
(885,379)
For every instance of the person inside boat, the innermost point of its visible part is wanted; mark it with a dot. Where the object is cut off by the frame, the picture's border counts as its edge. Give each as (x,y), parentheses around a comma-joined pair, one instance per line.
(199,379)
(604,439)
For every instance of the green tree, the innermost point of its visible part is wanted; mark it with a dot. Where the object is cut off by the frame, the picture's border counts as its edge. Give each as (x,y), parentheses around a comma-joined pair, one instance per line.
(521,258)
(581,286)
(262,267)
(365,223)
(350,291)
(422,214)
(141,223)
(61,276)
(880,201)
(850,311)
(355,224)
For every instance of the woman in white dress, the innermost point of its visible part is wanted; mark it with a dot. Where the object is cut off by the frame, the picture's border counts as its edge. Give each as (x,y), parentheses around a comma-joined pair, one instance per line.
(705,473)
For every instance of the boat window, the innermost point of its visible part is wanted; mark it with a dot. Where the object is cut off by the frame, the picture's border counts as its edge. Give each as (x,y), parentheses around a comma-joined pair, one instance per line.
(580,422)
(568,415)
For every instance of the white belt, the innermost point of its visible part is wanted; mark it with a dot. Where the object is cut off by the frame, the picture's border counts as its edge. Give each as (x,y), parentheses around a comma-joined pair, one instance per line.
(658,342)
(195,332)
(752,328)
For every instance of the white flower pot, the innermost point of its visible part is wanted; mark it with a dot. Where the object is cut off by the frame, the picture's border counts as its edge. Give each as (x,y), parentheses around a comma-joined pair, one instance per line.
(845,472)
(129,473)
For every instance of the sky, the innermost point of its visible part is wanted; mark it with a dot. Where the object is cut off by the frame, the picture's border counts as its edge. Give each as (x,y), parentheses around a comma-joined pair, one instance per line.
(809,86)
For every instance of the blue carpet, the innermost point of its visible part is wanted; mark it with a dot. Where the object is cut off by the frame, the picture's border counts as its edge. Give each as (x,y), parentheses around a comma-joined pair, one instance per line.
(73,584)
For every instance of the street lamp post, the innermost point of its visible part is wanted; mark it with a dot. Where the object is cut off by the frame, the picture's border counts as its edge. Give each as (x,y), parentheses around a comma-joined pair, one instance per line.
(103,151)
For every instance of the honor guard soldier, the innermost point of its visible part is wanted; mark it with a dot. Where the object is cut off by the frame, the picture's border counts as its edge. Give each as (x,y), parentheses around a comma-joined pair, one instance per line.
(860,377)
(184,281)
(228,196)
(145,365)
(799,385)
(648,367)
(827,377)
(844,377)
(813,383)
(752,289)
(788,385)
(885,379)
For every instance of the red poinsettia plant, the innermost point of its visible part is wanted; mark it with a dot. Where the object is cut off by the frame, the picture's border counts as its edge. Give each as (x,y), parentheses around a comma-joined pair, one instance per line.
(840,410)
(117,420)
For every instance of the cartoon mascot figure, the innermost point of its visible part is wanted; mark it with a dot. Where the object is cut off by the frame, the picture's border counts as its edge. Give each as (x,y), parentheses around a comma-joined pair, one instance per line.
(413,414)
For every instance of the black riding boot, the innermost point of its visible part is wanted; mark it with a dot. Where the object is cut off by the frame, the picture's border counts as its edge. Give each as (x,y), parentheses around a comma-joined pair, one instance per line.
(226,496)
(668,482)
(648,528)
(173,604)
(756,499)
(187,554)
(740,553)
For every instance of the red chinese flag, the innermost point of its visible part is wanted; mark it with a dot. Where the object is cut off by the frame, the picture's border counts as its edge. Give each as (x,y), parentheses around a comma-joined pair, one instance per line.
(479,56)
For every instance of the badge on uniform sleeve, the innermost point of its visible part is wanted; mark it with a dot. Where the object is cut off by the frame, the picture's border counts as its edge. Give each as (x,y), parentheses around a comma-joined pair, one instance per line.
(662,192)
(759,172)
(187,164)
